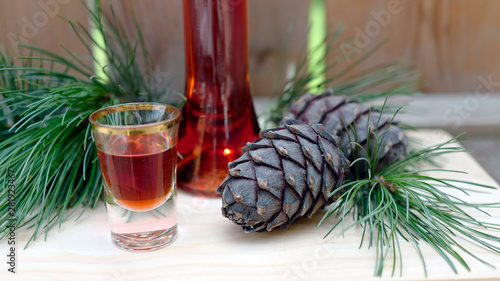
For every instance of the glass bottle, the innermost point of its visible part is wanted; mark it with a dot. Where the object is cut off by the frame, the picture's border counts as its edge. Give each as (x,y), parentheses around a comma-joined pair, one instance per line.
(218,118)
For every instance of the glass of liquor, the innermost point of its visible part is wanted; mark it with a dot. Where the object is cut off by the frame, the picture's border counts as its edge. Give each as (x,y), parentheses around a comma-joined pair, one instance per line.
(137,148)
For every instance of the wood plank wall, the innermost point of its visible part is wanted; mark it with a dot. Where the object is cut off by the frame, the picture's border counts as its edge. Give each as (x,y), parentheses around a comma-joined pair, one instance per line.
(452,42)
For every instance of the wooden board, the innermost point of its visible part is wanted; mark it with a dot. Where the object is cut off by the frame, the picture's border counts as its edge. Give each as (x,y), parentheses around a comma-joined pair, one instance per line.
(452,42)
(209,247)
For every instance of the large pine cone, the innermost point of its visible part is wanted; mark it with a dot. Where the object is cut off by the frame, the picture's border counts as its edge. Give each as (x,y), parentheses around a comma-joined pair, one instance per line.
(349,120)
(287,174)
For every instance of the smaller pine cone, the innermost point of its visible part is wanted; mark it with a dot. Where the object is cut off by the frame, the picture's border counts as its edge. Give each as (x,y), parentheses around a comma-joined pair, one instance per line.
(285,175)
(350,120)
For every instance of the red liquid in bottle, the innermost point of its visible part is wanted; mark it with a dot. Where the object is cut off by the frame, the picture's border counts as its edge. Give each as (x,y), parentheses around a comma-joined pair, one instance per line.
(139,182)
(218,118)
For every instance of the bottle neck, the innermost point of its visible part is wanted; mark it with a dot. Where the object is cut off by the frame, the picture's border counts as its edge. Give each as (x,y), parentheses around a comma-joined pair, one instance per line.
(216,48)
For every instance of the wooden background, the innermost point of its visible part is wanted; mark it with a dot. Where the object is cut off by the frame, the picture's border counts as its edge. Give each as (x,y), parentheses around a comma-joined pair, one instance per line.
(452,42)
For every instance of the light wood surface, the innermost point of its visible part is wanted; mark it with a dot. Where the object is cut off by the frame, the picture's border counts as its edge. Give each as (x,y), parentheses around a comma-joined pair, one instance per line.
(210,247)
(452,42)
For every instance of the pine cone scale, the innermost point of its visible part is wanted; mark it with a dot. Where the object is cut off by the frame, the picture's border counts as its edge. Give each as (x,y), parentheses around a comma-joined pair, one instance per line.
(290,150)
(295,176)
(291,203)
(270,179)
(243,171)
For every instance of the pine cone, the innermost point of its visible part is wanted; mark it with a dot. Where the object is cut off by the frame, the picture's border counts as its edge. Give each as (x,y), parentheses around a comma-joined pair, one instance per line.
(287,174)
(337,113)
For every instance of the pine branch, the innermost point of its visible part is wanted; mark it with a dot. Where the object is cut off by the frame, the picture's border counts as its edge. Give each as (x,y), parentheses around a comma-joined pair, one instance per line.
(43,147)
(45,100)
(401,202)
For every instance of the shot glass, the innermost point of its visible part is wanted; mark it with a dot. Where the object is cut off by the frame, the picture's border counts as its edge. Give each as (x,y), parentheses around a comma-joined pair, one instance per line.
(137,148)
